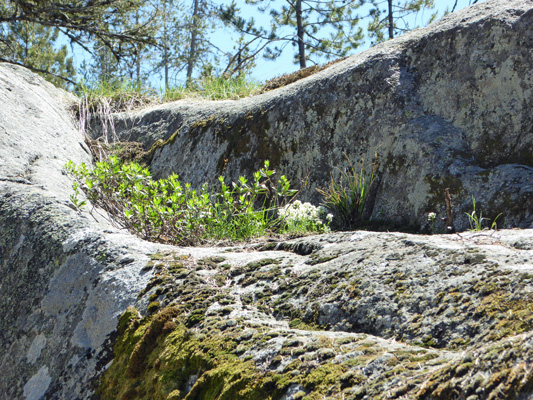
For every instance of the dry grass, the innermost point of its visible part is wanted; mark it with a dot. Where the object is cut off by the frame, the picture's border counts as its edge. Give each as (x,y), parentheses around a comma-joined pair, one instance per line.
(287,79)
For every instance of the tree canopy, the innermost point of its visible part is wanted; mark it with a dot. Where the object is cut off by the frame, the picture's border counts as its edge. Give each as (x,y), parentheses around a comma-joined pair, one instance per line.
(327,28)
(135,39)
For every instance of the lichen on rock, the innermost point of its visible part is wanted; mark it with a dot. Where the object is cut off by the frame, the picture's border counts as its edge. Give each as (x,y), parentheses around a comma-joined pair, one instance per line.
(445,106)
(362,315)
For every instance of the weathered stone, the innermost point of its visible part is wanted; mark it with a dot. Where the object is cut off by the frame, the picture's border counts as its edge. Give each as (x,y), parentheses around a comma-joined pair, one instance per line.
(446,106)
(64,278)
(412,316)
(342,315)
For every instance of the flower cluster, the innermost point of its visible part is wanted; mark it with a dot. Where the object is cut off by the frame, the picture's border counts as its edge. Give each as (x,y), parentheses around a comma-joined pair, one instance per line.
(302,217)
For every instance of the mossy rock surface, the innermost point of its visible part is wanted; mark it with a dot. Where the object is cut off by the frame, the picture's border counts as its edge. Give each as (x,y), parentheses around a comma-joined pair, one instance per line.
(364,315)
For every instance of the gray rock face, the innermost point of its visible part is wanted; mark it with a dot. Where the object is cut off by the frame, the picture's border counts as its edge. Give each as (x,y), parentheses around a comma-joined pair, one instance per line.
(340,316)
(64,278)
(344,315)
(447,106)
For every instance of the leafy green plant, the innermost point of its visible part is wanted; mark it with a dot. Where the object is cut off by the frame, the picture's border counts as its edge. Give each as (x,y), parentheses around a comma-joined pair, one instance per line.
(167,210)
(346,197)
(476,221)
(74,197)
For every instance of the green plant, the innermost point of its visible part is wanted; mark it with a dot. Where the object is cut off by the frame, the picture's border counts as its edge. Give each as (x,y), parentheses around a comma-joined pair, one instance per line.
(169,211)
(476,222)
(101,100)
(78,204)
(346,197)
(213,88)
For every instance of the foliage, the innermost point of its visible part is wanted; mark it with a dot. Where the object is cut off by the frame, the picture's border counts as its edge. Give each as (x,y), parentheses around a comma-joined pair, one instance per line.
(301,217)
(214,88)
(323,28)
(183,32)
(346,197)
(33,45)
(83,21)
(476,221)
(167,210)
(392,21)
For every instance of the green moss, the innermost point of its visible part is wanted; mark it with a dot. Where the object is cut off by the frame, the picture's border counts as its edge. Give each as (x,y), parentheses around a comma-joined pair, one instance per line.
(195,317)
(464,378)
(153,306)
(211,261)
(255,265)
(325,377)
(321,258)
(512,316)
(297,323)
(157,357)
(248,134)
(131,314)
(220,279)
(160,143)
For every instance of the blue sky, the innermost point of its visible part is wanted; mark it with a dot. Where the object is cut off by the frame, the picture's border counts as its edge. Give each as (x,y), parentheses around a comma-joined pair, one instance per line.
(267,69)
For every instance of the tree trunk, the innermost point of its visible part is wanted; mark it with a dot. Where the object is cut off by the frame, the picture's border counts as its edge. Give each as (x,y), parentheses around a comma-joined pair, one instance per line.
(138,56)
(194,32)
(300,32)
(165,44)
(391,21)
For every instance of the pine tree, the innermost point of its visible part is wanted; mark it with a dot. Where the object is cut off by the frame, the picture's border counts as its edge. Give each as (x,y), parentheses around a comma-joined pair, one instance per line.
(390,19)
(322,28)
(34,46)
(82,22)
(183,34)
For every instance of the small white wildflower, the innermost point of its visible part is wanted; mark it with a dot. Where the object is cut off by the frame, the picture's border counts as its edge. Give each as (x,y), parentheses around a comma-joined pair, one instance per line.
(431,216)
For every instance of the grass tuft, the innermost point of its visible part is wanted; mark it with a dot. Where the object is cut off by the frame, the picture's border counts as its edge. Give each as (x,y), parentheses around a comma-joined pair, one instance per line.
(346,198)
(213,88)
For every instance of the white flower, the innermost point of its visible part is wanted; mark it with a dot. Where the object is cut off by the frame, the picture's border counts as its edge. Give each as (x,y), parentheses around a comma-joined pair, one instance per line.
(306,214)
(431,216)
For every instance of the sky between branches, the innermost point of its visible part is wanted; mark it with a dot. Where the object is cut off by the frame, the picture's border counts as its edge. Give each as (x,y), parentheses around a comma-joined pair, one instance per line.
(267,69)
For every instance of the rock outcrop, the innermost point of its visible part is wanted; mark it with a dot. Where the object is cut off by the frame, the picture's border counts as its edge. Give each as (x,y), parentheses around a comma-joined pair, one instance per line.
(350,315)
(447,106)
(357,315)
(64,278)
